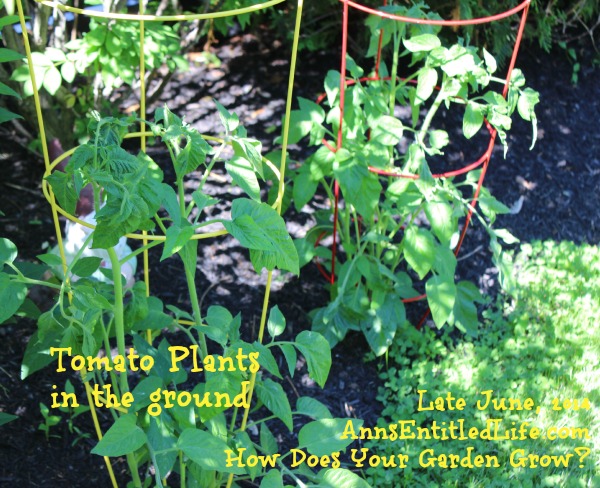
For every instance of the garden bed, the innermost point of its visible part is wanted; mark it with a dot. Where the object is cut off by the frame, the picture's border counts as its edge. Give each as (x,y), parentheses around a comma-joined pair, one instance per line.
(550,190)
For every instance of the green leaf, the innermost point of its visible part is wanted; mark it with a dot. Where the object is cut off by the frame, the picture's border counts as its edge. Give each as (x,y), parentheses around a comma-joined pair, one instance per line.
(67,70)
(162,441)
(242,441)
(473,119)
(206,450)
(52,80)
(305,186)
(141,393)
(226,382)
(219,317)
(382,322)
(438,139)
(322,437)
(7,55)
(355,70)
(342,478)
(202,201)
(249,149)
(268,443)
(419,250)
(176,238)
(12,296)
(464,313)
(528,99)
(171,204)
(506,236)
(113,44)
(9,19)
(249,233)
(87,266)
(460,62)
(7,417)
(266,359)
(491,207)
(37,354)
(490,62)
(55,55)
(7,90)
(229,120)
(193,154)
(8,251)
(315,348)
(445,262)
(289,352)
(29,309)
(124,437)
(332,86)
(271,394)
(306,120)
(243,174)
(440,216)
(50,259)
(426,82)
(162,363)
(273,479)
(276,322)
(312,408)
(64,190)
(262,230)
(306,251)
(156,319)
(422,42)
(82,156)
(6,115)
(360,187)
(388,131)
(441,295)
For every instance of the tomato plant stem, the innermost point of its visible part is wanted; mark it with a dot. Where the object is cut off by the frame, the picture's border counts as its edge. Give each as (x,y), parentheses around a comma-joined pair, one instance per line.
(430,114)
(190,275)
(118,311)
(120,334)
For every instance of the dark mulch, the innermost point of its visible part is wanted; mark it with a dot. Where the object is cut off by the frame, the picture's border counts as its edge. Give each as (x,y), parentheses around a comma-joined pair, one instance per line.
(556,186)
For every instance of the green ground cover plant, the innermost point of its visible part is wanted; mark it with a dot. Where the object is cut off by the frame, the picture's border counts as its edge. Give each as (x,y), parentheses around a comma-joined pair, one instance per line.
(543,343)
(166,415)
(399,234)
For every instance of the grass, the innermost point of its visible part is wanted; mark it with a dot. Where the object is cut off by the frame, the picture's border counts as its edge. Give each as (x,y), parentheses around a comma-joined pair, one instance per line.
(542,343)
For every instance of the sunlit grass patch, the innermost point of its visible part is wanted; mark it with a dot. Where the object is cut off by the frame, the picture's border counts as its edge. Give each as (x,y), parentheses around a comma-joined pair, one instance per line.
(543,344)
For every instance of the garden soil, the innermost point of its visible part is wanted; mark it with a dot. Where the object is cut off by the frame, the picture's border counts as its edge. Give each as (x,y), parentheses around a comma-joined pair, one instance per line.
(552,190)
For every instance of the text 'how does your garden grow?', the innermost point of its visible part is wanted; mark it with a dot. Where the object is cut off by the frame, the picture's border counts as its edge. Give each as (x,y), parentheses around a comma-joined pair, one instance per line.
(469,440)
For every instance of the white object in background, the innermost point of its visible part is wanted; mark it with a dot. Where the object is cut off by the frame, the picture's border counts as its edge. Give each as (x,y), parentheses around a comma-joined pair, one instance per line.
(75,236)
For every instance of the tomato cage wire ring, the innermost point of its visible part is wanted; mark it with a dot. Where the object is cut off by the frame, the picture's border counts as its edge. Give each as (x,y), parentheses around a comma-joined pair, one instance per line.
(482,161)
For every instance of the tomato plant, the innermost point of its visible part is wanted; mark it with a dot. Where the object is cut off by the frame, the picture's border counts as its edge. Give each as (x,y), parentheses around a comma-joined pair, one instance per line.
(174,418)
(399,223)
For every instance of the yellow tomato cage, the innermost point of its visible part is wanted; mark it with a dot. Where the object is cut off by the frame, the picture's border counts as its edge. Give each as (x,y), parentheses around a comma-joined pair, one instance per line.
(142,18)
